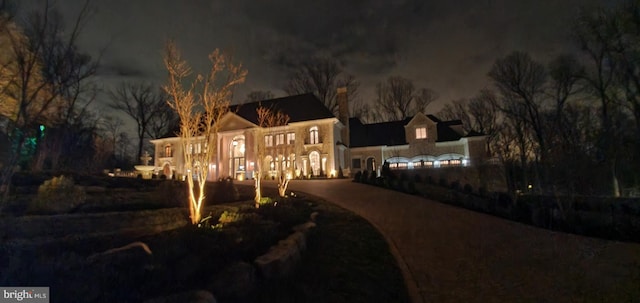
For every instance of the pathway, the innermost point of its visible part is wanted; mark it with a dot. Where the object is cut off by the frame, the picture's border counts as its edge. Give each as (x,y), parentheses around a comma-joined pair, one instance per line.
(449,254)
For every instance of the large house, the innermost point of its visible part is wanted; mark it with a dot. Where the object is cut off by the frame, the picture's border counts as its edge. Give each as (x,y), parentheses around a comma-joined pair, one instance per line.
(315,142)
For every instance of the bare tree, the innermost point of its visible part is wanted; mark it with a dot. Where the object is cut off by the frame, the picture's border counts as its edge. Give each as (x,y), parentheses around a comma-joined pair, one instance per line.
(269,120)
(141,102)
(200,106)
(163,122)
(111,128)
(457,110)
(423,98)
(521,80)
(594,32)
(397,99)
(361,110)
(321,76)
(394,98)
(44,64)
(259,95)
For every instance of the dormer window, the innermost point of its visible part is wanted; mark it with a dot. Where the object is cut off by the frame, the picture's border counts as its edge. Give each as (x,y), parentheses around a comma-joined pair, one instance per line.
(421,132)
(313,135)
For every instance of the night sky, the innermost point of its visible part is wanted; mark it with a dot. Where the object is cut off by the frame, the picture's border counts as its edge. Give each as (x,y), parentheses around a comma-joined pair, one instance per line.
(447,46)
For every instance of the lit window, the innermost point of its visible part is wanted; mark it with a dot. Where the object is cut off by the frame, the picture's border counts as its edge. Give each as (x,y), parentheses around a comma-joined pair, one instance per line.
(455,162)
(421,133)
(313,135)
(167,151)
(268,140)
(279,139)
(402,165)
(291,138)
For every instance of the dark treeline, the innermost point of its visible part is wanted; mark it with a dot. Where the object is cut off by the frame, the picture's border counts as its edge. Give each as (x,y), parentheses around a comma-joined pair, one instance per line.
(571,125)
(47,85)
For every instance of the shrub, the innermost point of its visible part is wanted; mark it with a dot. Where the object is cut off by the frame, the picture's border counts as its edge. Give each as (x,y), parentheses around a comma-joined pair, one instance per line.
(442,182)
(372,178)
(483,191)
(223,191)
(430,180)
(455,185)
(364,177)
(417,178)
(230,217)
(468,188)
(386,172)
(357,176)
(58,195)
(387,183)
(411,187)
(265,201)
(404,176)
(288,213)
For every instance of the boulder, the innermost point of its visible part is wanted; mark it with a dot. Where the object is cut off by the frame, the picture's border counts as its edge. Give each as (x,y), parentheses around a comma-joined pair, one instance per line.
(305,227)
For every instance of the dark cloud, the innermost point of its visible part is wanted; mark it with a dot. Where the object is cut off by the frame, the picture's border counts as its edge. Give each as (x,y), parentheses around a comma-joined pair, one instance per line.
(445,45)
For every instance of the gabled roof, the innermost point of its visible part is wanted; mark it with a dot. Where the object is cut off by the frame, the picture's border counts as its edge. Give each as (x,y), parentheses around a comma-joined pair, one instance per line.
(299,108)
(377,134)
(446,133)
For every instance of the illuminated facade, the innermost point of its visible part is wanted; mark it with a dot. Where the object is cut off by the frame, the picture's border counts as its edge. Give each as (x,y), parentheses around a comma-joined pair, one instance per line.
(316,143)
(309,145)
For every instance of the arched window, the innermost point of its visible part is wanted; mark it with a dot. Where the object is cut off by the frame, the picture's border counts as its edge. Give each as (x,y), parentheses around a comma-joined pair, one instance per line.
(371,164)
(313,135)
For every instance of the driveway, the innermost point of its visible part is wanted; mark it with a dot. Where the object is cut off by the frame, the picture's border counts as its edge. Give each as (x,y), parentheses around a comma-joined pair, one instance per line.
(450,254)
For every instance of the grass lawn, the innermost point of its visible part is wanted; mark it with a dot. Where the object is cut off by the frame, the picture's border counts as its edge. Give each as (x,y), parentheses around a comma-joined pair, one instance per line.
(347,261)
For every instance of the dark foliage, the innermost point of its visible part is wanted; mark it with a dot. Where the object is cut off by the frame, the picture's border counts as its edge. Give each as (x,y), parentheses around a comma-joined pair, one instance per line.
(468,189)
(357,177)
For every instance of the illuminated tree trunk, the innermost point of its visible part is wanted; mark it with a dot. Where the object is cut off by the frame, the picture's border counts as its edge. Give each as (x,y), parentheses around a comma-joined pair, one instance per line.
(199,113)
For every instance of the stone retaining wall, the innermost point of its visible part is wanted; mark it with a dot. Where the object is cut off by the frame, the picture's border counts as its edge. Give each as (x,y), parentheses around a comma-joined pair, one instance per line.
(281,259)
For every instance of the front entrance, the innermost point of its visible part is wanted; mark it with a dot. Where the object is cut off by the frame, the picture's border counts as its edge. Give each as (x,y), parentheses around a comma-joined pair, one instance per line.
(236,158)
(314,161)
(166,171)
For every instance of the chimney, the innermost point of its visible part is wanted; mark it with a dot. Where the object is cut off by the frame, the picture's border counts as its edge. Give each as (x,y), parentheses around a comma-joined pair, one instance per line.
(343,113)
